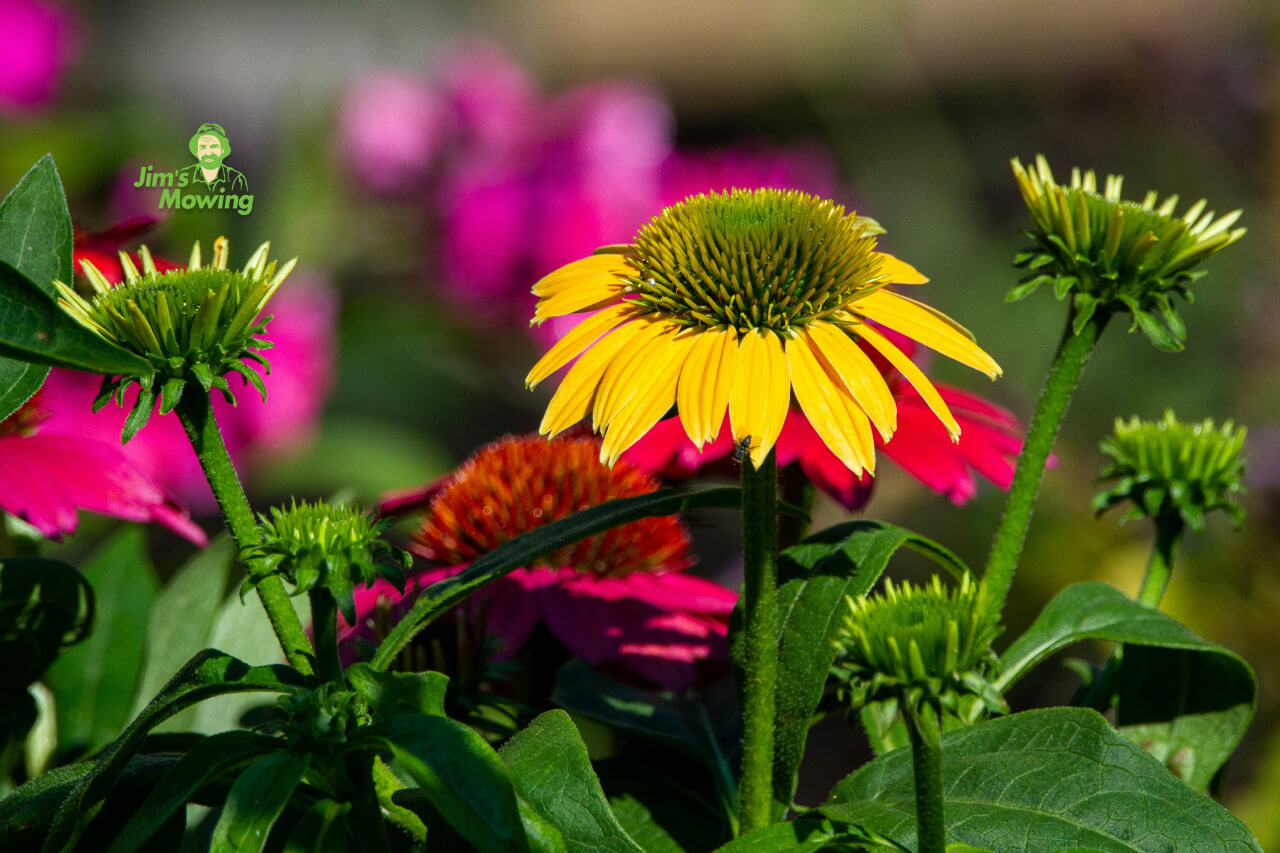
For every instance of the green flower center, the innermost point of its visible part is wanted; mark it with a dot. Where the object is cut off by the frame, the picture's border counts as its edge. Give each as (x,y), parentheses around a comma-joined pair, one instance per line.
(766,259)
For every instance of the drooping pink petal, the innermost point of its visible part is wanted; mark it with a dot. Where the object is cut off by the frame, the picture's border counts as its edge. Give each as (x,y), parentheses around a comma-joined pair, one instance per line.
(48,477)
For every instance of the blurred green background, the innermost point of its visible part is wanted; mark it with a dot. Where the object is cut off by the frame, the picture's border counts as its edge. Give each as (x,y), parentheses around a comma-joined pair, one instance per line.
(920,103)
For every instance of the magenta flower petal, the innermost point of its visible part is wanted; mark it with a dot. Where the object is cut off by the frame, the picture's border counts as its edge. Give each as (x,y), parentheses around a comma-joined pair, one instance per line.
(48,477)
(37,41)
(392,126)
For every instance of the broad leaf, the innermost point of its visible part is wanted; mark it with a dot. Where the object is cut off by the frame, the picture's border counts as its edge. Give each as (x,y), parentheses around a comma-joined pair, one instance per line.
(521,551)
(34,328)
(95,681)
(460,774)
(1044,780)
(814,578)
(708,728)
(182,620)
(45,607)
(391,693)
(550,769)
(321,830)
(209,673)
(257,798)
(18,382)
(35,227)
(811,835)
(212,756)
(666,801)
(1186,700)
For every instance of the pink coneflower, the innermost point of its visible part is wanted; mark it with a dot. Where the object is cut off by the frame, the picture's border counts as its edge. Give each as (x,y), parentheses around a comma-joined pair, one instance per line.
(619,599)
(48,478)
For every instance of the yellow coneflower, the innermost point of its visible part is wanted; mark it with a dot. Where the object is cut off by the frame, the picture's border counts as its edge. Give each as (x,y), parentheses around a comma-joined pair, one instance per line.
(734,300)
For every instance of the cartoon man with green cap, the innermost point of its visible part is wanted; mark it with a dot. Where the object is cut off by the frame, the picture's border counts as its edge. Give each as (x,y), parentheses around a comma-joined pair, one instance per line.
(210,147)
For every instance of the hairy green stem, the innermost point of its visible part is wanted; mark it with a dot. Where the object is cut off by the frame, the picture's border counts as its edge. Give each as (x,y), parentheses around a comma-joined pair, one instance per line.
(926,762)
(1059,386)
(196,415)
(760,662)
(324,626)
(1169,530)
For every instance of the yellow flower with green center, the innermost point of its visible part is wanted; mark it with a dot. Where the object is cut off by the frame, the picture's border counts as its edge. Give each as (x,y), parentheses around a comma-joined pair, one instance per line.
(733,301)
(194,324)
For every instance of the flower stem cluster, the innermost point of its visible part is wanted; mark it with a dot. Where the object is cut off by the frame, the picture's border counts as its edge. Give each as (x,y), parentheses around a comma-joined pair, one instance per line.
(1114,255)
(321,545)
(1167,468)
(323,717)
(925,646)
(195,324)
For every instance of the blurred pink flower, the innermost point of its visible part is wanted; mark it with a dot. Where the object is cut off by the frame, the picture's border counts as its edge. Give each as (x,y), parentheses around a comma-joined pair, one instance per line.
(301,368)
(37,42)
(47,478)
(990,441)
(392,126)
(618,599)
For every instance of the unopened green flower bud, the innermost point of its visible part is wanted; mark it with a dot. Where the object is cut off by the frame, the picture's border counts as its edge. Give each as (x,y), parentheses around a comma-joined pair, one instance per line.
(191,325)
(1113,255)
(1166,467)
(336,547)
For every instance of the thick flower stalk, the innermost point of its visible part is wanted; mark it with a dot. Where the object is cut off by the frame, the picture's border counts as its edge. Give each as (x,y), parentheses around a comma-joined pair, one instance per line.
(1172,473)
(928,648)
(1110,256)
(192,325)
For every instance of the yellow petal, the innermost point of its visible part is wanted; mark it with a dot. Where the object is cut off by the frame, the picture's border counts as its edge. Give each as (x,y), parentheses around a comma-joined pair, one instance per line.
(572,400)
(577,339)
(761,393)
(840,424)
(654,396)
(861,378)
(913,375)
(899,272)
(705,382)
(626,373)
(574,294)
(926,325)
(592,266)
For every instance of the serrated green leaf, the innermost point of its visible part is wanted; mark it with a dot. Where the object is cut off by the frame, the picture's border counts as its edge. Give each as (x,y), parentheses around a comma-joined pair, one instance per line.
(550,769)
(35,227)
(815,576)
(210,673)
(257,798)
(510,555)
(1188,699)
(210,757)
(34,328)
(19,381)
(95,681)
(1044,780)
(460,774)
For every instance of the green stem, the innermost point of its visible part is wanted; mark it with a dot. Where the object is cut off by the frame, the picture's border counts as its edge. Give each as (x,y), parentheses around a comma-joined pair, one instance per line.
(926,762)
(1169,530)
(196,415)
(1059,385)
(324,625)
(760,663)
(365,809)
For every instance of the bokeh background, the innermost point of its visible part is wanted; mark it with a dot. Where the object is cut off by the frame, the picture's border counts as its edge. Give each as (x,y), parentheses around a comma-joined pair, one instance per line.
(428,162)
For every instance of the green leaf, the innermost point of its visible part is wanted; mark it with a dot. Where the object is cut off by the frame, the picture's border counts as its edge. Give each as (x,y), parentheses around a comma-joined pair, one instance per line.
(19,381)
(257,798)
(321,830)
(550,769)
(521,551)
(666,801)
(210,757)
(210,673)
(460,774)
(811,835)
(34,328)
(45,607)
(708,728)
(95,681)
(1189,701)
(35,227)
(814,578)
(391,693)
(1044,780)
(182,620)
